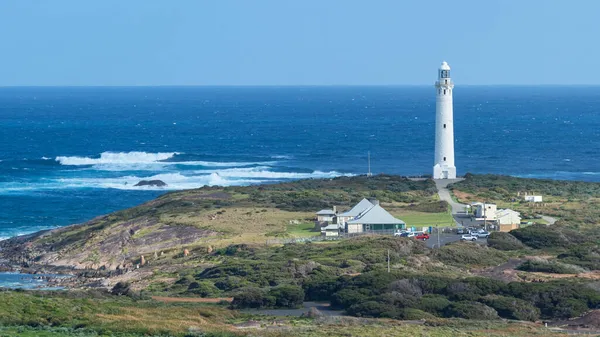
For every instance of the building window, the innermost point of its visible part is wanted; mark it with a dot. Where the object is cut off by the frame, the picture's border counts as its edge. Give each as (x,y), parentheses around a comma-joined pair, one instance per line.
(444,158)
(444,126)
(445,81)
(444,91)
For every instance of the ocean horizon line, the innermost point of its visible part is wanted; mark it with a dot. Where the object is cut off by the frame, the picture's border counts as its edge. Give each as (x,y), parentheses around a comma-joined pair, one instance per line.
(553,85)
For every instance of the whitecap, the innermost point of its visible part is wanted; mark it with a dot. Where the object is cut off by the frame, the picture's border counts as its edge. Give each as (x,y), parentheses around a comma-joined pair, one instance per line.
(134,157)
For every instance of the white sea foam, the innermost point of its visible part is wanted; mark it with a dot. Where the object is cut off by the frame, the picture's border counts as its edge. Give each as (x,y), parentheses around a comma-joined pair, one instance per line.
(262,172)
(174,181)
(143,161)
(134,157)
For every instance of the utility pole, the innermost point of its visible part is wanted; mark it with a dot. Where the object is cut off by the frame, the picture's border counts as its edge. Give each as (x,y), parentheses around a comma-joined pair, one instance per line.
(438,235)
(388,260)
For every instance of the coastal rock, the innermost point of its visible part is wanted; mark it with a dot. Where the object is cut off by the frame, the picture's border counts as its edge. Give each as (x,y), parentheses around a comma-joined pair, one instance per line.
(186,252)
(156,183)
(142,260)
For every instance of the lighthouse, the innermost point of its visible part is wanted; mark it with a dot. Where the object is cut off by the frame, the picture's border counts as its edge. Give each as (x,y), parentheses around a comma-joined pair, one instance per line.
(443,167)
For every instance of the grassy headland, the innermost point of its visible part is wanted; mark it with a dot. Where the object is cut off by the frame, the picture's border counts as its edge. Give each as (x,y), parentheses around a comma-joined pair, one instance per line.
(214,243)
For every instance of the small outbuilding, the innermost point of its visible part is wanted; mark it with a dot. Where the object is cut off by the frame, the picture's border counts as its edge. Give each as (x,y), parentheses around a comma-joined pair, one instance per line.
(330,230)
(533,198)
(327,215)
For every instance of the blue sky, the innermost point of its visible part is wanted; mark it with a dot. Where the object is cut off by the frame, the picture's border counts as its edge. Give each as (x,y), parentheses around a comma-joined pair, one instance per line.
(307,42)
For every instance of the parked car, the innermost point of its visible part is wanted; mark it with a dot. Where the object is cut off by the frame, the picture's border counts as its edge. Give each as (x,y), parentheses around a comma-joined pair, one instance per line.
(421,236)
(468,237)
(482,234)
(460,231)
(399,233)
(406,234)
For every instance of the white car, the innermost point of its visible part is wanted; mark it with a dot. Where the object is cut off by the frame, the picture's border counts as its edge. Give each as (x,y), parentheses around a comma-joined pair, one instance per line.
(468,237)
(482,234)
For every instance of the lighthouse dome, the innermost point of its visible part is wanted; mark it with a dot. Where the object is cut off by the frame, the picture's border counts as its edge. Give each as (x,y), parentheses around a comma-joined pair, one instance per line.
(444,66)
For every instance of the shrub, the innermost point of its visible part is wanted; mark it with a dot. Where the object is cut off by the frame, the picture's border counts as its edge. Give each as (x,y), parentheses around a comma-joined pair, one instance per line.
(414,314)
(287,296)
(252,298)
(587,256)
(471,310)
(556,299)
(513,308)
(467,253)
(435,304)
(203,289)
(504,241)
(373,309)
(121,288)
(548,267)
(320,287)
(348,297)
(542,236)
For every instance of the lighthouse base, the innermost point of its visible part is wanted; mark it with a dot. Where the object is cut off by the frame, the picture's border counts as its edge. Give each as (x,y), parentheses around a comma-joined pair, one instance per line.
(444,172)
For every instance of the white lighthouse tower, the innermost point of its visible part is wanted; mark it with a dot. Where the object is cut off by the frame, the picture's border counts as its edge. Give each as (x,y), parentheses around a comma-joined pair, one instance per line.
(443,167)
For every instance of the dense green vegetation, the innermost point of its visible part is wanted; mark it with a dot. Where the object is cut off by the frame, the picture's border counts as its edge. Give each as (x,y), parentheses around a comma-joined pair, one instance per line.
(312,194)
(442,286)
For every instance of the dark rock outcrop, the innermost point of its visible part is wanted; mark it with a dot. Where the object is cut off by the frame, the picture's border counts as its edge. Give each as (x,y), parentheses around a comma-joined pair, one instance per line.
(157,183)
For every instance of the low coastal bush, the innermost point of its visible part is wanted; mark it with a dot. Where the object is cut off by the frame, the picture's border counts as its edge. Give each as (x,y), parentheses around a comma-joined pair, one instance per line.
(543,266)
(468,253)
(471,310)
(512,308)
(504,241)
(586,256)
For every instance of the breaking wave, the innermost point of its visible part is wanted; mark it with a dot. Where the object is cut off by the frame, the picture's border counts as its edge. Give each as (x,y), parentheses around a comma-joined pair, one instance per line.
(144,161)
(263,172)
(134,157)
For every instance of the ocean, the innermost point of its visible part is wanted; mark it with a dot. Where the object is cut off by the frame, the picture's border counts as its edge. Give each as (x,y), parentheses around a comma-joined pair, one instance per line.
(70,154)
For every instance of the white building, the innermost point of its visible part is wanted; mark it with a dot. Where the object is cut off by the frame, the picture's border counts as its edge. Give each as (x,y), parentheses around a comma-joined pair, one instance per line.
(444,167)
(533,198)
(327,215)
(508,217)
(330,230)
(484,211)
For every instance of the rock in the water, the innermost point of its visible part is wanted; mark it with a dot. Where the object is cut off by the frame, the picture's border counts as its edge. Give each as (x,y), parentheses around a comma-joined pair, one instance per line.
(157,183)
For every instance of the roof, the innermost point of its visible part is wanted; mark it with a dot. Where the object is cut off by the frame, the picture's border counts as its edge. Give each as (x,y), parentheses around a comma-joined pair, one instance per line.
(326,212)
(358,208)
(444,66)
(506,211)
(482,203)
(376,215)
(331,227)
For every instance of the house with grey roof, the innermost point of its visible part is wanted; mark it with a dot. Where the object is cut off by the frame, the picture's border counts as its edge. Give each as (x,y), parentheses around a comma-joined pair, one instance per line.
(355,211)
(327,215)
(374,219)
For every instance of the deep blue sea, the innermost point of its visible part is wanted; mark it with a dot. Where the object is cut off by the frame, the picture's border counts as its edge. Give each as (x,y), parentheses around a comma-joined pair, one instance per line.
(69,154)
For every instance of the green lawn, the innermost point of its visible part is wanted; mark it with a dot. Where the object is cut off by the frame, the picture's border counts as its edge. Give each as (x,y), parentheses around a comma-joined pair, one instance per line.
(422,219)
(302,230)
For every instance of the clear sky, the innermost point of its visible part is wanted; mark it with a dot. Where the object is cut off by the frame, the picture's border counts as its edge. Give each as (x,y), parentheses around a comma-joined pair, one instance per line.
(298,42)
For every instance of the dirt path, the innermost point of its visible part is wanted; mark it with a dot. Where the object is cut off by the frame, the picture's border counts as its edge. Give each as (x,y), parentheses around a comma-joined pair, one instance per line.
(191,299)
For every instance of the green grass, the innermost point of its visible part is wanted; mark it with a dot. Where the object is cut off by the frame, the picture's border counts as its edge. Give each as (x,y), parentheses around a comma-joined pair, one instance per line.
(421,219)
(302,230)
